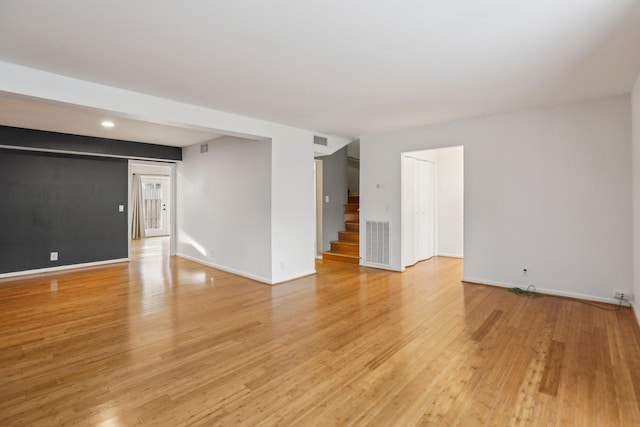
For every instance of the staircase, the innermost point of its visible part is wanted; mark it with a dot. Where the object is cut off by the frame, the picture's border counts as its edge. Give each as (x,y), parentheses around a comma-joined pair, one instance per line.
(347,247)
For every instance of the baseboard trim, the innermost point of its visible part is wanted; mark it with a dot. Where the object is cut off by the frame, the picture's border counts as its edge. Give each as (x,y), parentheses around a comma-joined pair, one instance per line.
(61,268)
(380,267)
(294,277)
(543,290)
(451,256)
(224,268)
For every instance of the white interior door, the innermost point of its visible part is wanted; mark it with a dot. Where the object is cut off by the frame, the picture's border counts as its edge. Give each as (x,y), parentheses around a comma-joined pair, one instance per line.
(418,205)
(407,211)
(426,215)
(156,202)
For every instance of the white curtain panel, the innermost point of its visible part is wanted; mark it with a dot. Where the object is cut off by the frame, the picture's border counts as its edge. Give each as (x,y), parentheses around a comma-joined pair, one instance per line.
(137,225)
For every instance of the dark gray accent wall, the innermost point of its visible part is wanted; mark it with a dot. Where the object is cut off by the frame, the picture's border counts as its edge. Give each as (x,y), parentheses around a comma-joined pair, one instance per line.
(30,138)
(63,203)
(334,173)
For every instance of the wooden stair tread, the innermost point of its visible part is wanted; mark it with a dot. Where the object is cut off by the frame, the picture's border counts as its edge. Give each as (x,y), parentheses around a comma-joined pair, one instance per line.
(353,226)
(349,236)
(345,254)
(346,242)
(345,246)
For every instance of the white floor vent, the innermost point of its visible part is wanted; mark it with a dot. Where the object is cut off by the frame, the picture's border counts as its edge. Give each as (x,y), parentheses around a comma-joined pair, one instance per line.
(377,246)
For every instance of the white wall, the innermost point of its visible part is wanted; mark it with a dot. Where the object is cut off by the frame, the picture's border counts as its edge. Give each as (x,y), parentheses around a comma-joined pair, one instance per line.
(293,216)
(224,205)
(635,111)
(252,203)
(450,201)
(547,189)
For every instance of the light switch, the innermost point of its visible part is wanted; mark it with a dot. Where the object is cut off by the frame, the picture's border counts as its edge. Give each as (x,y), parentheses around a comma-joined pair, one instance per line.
(326,199)
(121,208)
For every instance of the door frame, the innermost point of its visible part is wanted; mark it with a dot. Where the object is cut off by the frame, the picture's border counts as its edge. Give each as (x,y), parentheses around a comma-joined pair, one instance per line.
(172,199)
(319,191)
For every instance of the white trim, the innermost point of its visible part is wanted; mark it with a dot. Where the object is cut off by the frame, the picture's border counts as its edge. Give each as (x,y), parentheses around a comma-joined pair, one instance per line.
(295,276)
(173,233)
(451,255)
(227,269)
(543,290)
(129,211)
(381,267)
(318,185)
(62,268)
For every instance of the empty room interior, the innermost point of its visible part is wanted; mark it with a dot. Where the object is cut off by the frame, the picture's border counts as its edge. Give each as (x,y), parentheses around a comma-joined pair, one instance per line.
(320,213)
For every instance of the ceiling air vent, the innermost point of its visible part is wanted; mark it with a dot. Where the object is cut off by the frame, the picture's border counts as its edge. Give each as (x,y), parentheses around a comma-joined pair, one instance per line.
(320,140)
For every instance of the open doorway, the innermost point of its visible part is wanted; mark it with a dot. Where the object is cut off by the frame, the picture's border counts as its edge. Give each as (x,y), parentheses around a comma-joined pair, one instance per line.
(151,213)
(317,168)
(432,204)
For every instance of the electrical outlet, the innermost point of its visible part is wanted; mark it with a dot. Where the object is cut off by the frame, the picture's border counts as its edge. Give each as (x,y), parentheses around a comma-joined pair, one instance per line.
(622,295)
(53,256)
(525,272)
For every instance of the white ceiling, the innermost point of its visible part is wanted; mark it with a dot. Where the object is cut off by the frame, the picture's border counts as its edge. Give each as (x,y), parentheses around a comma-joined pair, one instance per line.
(341,67)
(32,113)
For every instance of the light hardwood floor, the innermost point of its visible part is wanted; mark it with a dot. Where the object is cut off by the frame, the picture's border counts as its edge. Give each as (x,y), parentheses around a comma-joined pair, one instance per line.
(167,342)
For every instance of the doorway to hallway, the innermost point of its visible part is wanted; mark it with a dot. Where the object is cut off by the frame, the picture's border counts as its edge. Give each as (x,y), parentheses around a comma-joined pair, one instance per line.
(418,193)
(432,204)
(151,207)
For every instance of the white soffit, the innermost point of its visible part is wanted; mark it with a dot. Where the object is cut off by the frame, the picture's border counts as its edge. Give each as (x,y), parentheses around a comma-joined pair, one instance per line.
(38,114)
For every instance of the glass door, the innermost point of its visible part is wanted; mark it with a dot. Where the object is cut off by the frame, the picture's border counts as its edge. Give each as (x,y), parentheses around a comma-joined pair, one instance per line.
(155,194)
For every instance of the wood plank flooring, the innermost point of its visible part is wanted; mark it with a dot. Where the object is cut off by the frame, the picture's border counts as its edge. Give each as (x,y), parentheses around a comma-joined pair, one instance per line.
(167,342)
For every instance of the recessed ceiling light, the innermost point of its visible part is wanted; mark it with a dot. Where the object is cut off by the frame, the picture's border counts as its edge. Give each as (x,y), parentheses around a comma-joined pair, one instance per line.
(108,124)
